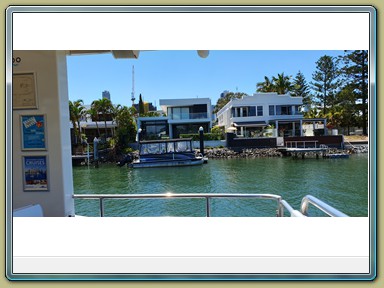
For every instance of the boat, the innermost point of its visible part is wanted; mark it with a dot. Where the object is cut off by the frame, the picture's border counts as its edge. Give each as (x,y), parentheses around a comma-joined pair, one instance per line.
(164,153)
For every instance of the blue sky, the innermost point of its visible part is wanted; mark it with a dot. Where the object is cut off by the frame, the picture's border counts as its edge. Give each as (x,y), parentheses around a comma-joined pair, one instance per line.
(183,74)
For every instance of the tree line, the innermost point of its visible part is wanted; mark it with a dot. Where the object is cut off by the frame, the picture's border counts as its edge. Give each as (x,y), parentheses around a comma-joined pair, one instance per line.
(338,90)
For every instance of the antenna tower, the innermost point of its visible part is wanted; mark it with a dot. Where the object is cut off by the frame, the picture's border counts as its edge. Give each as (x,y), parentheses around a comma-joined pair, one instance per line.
(133,85)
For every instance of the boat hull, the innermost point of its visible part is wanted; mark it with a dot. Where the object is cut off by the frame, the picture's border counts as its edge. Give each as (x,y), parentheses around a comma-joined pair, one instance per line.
(166,163)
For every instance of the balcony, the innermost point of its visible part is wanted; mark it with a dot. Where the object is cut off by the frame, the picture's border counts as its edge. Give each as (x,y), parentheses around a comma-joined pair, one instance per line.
(188,116)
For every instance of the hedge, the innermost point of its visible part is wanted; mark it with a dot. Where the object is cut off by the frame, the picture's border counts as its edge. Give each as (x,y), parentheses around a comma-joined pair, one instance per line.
(196,137)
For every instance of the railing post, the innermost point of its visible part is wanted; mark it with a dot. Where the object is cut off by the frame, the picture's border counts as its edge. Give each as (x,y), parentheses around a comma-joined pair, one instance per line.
(207,206)
(101,207)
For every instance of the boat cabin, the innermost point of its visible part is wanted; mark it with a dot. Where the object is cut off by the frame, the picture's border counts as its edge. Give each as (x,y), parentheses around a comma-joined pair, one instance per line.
(166,146)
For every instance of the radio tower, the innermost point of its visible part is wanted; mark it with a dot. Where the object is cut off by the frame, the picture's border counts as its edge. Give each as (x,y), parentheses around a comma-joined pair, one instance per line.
(133,85)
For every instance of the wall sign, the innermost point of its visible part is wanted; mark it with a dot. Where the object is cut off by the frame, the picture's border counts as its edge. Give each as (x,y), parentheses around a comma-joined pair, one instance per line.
(35,170)
(24,91)
(33,133)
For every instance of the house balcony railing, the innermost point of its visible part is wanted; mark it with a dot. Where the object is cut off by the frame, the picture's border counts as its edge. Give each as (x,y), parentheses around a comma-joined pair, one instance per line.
(192,116)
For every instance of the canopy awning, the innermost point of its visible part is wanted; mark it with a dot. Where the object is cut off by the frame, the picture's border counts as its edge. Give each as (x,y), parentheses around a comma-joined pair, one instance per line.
(250,124)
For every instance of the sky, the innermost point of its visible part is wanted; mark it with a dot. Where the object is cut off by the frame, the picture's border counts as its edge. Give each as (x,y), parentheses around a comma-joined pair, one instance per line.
(183,74)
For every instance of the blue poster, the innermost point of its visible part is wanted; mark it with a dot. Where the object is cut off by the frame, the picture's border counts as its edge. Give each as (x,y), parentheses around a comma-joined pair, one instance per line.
(33,132)
(35,173)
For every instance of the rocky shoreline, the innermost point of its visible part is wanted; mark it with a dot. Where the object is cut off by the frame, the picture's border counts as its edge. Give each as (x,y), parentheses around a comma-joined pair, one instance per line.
(225,153)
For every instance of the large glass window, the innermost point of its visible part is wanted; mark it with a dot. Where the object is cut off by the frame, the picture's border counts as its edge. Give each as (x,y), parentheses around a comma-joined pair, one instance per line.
(259,110)
(252,111)
(283,110)
(271,110)
(176,113)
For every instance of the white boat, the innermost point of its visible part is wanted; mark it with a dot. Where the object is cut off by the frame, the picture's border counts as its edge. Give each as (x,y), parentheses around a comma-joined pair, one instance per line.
(165,153)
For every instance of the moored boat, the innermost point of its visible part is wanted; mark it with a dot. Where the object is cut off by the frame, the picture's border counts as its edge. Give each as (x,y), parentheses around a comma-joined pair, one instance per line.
(165,153)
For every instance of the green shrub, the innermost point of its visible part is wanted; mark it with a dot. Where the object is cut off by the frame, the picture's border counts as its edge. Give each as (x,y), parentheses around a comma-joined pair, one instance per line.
(196,137)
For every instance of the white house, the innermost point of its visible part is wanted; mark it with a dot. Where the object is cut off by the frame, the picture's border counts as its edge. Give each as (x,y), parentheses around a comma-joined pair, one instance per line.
(184,116)
(251,114)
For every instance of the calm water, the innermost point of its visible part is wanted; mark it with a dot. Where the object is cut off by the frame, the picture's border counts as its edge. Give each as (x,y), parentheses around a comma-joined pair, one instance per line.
(342,183)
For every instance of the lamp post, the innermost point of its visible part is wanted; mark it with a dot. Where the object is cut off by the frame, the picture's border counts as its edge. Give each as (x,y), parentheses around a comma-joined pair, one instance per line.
(201,134)
(96,152)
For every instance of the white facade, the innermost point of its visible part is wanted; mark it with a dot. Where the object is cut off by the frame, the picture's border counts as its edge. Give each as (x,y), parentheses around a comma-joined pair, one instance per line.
(184,115)
(259,110)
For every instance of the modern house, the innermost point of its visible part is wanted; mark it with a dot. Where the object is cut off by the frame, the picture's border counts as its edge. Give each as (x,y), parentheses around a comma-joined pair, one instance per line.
(184,116)
(250,115)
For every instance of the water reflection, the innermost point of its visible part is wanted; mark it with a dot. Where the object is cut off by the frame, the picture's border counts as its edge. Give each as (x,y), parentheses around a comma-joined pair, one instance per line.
(343,183)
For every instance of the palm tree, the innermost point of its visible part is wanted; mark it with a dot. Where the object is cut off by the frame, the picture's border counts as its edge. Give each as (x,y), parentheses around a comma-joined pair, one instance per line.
(95,117)
(103,107)
(266,86)
(282,84)
(76,112)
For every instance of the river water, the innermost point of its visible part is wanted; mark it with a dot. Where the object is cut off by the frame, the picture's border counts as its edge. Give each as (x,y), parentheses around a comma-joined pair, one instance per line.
(342,183)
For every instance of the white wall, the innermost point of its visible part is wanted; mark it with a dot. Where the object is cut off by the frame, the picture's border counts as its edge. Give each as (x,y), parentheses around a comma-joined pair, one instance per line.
(52,93)
(258,99)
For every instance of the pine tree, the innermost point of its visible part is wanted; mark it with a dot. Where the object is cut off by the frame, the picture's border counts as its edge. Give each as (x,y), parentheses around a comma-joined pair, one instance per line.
(356,73)
(301,89)
(326,81)
(141,106)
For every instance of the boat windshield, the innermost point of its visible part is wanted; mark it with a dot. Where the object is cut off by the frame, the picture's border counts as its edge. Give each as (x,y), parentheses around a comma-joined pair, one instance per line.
(184,146)
(152,148)
(165,147)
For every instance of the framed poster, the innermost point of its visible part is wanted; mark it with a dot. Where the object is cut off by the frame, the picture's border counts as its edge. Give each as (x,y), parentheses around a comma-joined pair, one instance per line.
(24,94)
(33,133)
(35,173)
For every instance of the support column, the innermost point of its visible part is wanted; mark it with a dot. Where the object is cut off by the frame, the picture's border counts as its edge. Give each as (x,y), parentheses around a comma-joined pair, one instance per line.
(301,127)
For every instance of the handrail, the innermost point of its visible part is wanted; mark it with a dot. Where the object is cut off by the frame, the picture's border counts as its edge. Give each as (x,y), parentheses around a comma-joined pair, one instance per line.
(329,210)
(281,204)
(301,141)
(207,197)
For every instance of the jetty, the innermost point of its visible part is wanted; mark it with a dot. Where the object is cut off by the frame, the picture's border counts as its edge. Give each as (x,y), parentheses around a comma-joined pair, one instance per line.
(296,148)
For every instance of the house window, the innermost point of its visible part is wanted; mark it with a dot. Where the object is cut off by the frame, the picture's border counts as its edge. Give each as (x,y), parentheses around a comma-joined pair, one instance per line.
(259,110)
(271,110)
(252,111)
(283,110)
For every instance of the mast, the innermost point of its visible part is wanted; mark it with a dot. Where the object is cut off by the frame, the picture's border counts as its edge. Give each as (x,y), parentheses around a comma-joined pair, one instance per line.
(133,85)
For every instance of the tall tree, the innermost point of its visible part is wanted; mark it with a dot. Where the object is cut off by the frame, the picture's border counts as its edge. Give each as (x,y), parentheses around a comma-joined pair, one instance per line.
(326,81)
(266,86)
(141,106)
(126,125)
(349,113)
(94,116)
(356,72)
(76,112)
(301,89)
(222,101)
(103,107)
(282,83)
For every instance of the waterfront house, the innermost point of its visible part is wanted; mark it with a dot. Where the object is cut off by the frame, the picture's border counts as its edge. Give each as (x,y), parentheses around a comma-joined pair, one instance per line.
(251,115)
(184,116)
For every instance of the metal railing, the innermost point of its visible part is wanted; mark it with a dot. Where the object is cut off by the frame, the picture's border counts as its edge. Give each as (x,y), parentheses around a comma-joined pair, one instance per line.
(281,204)
(302,142)
(327,209)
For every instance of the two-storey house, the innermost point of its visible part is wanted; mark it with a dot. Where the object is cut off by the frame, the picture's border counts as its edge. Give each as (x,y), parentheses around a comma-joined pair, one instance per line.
(251,114)
(183,116)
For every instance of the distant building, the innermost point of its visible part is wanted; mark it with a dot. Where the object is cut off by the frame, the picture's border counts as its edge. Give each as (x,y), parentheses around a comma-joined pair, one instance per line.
(224,93)
(106,95)
(148,107)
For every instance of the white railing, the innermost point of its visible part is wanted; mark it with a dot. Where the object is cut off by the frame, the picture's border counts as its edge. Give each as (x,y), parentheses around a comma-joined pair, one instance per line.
(281,204)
